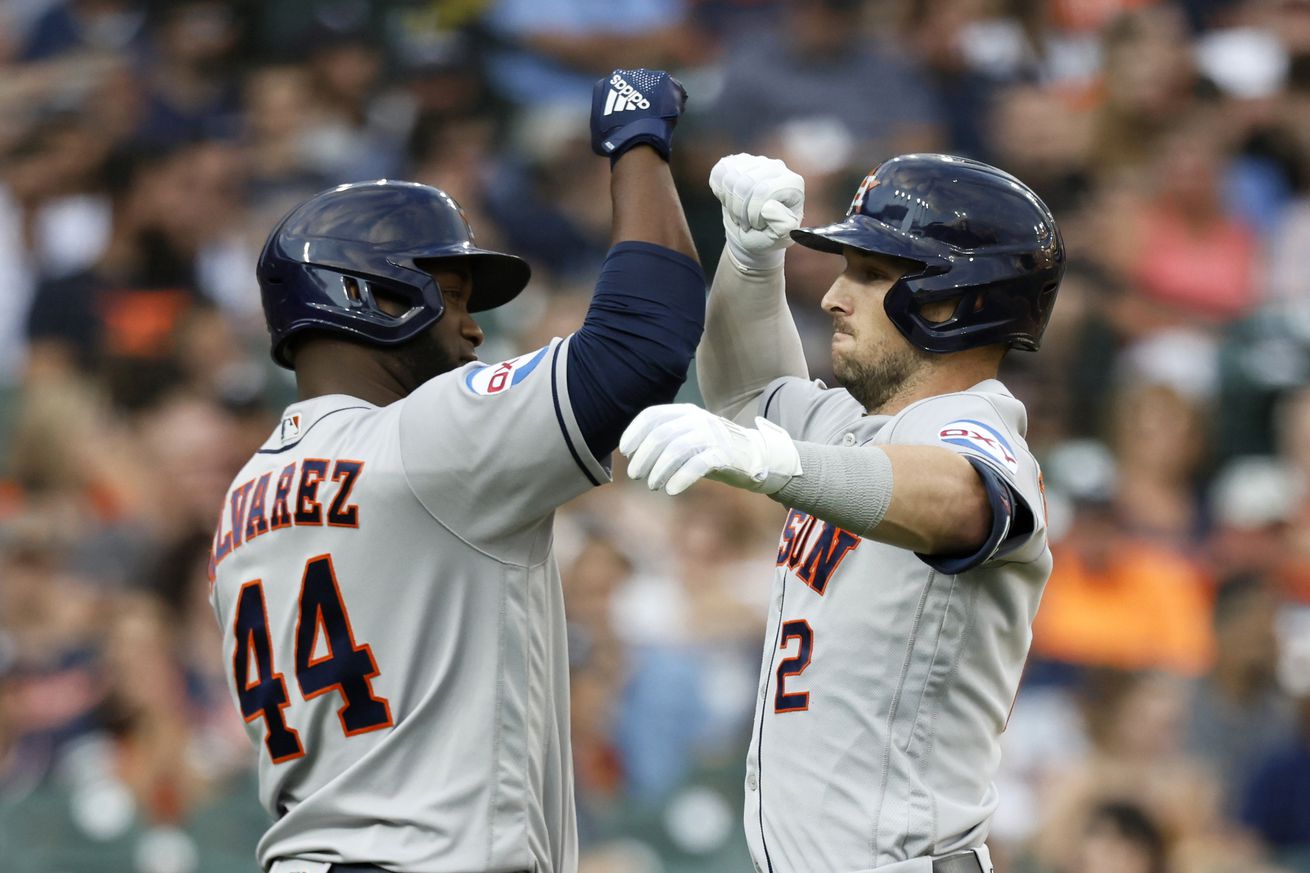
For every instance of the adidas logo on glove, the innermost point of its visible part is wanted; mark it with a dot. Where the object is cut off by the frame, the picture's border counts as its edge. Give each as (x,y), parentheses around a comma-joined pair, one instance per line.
(623,96)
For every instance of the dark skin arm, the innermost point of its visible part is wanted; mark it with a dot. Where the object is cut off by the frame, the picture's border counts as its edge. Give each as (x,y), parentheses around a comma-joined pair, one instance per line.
(646,204)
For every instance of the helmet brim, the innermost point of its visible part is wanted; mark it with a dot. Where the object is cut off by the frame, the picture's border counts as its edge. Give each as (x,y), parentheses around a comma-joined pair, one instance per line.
(497,277)
(865,234)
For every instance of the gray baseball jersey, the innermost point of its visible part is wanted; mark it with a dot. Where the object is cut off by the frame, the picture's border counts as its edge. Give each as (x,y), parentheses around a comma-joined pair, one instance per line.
(886,684)
(393,622)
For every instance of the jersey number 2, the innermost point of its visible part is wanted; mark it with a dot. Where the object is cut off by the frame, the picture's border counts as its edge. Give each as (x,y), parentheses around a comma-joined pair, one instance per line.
(797,701)
(345,667)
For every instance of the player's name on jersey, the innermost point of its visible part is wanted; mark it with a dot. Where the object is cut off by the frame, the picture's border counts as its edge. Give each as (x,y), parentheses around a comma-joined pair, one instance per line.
(311,492)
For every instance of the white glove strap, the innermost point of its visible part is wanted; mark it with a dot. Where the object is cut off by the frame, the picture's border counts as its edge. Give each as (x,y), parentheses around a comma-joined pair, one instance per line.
(763,460)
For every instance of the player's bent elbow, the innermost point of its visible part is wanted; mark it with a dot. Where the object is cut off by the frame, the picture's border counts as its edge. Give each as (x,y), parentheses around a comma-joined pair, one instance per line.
(964,525)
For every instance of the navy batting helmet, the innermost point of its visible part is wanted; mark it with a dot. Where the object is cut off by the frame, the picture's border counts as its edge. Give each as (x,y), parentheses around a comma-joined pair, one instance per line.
(977,234)
(322,264)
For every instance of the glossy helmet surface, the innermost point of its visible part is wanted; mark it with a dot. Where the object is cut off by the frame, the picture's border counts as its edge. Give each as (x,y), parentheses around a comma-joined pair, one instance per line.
(977,234)
(323,263)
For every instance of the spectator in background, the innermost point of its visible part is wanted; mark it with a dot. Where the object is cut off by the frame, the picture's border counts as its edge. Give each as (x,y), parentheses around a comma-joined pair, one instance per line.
(598,671)
(49,618)
(70,26)
(1147,82)
(1276,803)
(823,59)
(1292,429)
(1120,836)
(1159,438)
(1134,721)
(558,45)
(52,223)
(1253,501)
(72,467)
(191,94)
(1238,715)
(1115,600)
(1194,263)
(278,112)
(357,127)
(547,199)
(947,37)
(1044,135)
(121,313)
(21,765)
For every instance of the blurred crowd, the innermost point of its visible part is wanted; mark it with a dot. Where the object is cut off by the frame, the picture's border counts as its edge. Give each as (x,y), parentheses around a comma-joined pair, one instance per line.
(147,147)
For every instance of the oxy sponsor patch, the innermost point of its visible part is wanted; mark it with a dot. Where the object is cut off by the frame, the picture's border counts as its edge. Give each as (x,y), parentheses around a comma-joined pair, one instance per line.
(498,378)
(981,439)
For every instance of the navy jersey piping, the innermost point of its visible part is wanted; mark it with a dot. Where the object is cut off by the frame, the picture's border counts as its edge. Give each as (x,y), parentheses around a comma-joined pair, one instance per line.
(768,401)
(559,416)
(307,430)
(759,745)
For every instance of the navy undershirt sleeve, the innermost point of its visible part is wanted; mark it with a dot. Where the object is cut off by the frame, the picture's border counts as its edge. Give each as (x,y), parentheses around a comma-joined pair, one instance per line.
(1010,519)
(637,341)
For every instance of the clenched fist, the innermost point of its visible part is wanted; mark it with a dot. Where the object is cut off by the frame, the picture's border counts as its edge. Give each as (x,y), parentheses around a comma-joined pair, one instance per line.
(763,202)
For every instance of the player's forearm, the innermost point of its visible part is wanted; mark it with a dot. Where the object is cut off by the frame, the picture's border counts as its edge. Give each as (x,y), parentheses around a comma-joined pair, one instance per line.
(750,340)
(646,204)
(923,498)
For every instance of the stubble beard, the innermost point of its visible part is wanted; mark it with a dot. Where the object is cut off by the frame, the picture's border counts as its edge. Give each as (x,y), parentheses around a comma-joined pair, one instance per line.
(423,358)
(879,375)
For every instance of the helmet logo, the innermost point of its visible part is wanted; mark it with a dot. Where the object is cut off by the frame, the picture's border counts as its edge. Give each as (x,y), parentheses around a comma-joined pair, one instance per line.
(870,181)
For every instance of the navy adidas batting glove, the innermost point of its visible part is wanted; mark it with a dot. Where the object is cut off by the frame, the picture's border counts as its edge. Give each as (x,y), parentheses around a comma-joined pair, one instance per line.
(634,107)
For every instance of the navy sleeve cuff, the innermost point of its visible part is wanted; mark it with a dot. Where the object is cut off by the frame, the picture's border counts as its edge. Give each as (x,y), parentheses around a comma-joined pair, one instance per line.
(1002,502)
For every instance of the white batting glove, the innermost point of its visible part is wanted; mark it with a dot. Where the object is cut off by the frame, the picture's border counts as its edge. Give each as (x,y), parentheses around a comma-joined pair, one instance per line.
(672,446)
(763,202)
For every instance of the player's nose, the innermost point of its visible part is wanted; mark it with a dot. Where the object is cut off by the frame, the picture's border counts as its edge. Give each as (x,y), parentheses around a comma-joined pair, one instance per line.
(473,331)
(837,300)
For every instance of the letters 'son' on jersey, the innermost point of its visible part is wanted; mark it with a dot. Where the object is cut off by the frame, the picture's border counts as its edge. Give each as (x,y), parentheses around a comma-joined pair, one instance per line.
(980,439)
(498,378)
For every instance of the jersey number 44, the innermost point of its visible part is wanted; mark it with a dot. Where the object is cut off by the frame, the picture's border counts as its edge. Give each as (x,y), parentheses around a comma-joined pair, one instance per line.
(346,667)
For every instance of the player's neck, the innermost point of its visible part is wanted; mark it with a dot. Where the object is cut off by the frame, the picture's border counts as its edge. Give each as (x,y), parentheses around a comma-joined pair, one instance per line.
(947,375)
(328,366)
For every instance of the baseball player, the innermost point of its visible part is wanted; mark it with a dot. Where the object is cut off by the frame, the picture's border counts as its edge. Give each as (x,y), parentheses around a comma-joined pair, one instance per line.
(914,553)
(383,572)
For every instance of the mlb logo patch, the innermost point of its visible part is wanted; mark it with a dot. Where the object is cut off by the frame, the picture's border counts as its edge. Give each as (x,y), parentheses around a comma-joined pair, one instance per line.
(980,439)
(492,379)
(289,429)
